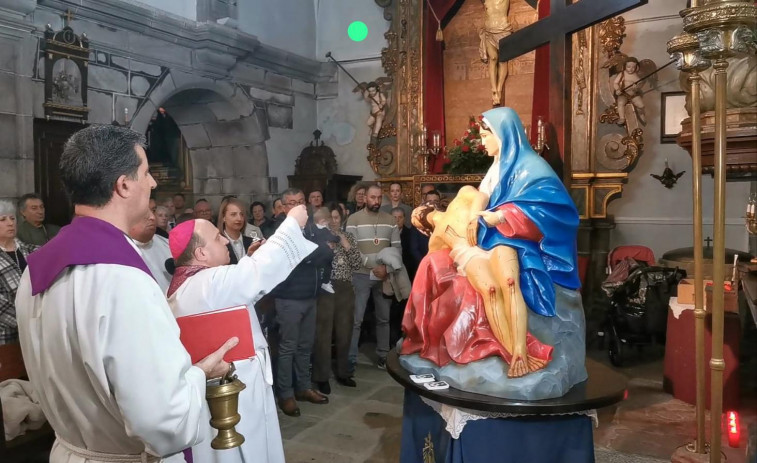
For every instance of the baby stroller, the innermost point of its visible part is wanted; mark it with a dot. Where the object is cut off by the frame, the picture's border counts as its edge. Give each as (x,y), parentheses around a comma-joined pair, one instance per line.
(638,293)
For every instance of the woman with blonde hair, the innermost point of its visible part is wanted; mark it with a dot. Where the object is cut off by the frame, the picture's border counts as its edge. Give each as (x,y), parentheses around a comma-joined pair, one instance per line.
(356,197)
(231,224)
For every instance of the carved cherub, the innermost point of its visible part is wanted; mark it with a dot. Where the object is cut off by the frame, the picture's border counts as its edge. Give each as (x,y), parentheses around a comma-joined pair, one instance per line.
(627,87)
(375,93)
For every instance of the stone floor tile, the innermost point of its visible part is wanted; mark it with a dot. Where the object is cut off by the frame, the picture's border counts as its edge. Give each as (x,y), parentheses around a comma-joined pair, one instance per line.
(296,452)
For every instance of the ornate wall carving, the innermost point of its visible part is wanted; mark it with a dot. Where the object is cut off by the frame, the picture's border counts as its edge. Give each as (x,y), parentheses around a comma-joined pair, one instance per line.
(395,155)
(602,157)
(66,58)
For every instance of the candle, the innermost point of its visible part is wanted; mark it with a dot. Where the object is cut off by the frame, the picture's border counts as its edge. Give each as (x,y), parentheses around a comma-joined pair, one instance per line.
(735,262)
(436,140)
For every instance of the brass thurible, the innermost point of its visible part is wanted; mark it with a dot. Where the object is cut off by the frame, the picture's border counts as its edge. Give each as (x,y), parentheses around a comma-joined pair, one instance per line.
(223,400)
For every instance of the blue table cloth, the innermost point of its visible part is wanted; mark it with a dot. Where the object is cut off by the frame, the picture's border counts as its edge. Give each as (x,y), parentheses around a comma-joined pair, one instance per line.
(533,439)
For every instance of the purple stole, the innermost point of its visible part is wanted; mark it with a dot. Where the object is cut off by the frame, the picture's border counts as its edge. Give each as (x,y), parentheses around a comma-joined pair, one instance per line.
(85,241)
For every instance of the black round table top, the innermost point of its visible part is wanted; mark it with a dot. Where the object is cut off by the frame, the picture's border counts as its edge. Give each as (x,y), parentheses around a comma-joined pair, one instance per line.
(603,388)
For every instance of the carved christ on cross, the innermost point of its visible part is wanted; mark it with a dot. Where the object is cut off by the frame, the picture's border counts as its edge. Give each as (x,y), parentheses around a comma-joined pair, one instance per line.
(496,27)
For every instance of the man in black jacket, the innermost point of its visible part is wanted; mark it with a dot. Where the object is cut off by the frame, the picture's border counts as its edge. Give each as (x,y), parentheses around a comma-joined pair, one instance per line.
(295,314)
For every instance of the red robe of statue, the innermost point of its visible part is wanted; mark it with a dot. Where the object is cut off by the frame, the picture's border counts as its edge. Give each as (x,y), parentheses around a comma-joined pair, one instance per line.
(445,317)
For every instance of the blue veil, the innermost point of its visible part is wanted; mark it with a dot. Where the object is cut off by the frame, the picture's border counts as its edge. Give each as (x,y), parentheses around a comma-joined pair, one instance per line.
(528,182)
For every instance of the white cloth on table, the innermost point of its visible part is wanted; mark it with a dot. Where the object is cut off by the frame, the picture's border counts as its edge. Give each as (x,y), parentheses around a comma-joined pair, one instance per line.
(102,351)
(244,284)
(21,409)
(456,418)
(678,309)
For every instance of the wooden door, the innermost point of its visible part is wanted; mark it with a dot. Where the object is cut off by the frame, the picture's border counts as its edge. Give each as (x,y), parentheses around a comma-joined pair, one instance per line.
(49,138)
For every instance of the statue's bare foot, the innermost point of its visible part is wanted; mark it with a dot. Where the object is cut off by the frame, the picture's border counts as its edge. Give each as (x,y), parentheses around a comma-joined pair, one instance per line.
(522,364)
(536,364)
(518,366)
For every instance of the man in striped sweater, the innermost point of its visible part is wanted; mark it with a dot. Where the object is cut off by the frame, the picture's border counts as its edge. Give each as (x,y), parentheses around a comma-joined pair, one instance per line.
(373,230)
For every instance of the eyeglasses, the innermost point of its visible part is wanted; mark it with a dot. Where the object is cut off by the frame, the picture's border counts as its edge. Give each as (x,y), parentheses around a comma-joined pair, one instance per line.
(295,203)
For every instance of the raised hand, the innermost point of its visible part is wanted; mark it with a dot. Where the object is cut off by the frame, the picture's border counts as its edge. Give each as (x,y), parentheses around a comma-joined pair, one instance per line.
(254,247)
(300,214)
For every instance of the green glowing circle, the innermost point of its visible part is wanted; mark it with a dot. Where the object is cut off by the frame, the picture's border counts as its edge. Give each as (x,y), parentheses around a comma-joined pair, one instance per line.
(357,31)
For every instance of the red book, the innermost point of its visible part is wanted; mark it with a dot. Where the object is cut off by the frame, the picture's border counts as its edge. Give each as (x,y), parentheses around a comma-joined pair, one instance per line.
(204,333)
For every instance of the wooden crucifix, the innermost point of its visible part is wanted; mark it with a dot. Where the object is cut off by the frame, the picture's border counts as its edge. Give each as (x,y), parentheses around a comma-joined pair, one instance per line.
(564,19)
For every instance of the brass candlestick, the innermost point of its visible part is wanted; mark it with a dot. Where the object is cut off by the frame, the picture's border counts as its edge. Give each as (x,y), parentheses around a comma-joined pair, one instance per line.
(723,28)
(223,400)
(684,49)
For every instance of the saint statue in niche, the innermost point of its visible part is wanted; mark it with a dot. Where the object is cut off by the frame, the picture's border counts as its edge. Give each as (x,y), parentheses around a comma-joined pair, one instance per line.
(66,83)
(496,27)
(496,257)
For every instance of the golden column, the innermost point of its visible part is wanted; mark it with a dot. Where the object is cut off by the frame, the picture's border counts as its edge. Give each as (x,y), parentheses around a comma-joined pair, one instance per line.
(724,28)
(684,48)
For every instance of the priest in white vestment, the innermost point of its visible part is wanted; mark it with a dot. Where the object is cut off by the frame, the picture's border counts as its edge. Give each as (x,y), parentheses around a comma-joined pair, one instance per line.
(154,250)
(100,344)
(204,282)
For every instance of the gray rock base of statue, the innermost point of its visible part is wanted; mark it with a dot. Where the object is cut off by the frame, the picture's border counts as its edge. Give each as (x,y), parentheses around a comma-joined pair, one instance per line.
(565,331)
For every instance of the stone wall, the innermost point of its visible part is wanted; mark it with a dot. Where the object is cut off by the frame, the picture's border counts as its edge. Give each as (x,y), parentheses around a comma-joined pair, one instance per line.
(342,113)
(226,90)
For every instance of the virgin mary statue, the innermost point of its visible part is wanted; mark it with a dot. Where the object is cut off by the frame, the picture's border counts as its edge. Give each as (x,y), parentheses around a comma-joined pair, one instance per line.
(498,256)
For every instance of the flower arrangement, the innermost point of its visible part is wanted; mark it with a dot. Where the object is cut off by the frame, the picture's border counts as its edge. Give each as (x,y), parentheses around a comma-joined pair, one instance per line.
(468,156)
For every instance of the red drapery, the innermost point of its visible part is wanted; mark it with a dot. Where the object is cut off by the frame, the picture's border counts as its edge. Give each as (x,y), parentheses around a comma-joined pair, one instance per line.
(433,70)
(541,80)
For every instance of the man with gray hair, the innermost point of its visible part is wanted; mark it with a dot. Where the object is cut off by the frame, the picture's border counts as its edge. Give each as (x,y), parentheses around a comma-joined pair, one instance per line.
(296,301)
(32,229)
(100,344)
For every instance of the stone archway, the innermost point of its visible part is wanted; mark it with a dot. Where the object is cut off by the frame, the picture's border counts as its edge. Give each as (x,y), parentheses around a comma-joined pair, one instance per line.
(224,133)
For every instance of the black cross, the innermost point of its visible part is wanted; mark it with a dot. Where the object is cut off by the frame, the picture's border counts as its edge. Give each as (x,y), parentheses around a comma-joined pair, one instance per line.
(708,240)
(555,30)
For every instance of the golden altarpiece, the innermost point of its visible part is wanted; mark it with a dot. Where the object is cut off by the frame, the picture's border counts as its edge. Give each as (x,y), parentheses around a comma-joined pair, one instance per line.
(600,158)
(601,149)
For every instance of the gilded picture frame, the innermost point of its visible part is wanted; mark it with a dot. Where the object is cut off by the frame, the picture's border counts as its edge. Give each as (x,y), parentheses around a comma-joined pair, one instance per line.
(672,113)
(447,185)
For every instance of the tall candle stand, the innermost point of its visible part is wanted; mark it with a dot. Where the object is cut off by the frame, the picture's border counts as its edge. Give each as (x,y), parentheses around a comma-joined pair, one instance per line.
(723,28)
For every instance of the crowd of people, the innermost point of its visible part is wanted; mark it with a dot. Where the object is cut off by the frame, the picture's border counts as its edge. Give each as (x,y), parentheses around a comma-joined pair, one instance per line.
(311,269)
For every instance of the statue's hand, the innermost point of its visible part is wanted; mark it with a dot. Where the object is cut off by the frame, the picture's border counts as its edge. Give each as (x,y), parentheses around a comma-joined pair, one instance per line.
(473,232)
(492,219)
(418,221)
